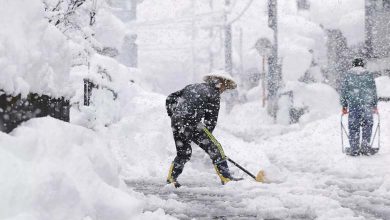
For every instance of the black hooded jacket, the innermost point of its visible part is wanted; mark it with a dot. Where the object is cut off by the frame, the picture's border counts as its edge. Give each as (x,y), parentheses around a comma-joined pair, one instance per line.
(194,103)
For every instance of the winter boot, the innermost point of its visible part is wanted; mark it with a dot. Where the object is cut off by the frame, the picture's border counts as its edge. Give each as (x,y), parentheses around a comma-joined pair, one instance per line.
(352,152)
(173,182)
(222,170)
(172,176)
(367,150)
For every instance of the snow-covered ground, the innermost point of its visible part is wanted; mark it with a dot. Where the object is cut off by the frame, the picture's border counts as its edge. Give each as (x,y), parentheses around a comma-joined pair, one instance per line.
(53,170)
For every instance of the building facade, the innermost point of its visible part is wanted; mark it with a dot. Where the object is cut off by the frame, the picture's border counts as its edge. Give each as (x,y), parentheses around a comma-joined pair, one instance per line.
(377,35)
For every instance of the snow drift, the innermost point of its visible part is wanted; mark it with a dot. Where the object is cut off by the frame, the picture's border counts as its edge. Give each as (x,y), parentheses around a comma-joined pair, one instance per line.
(34,55)
(53,170)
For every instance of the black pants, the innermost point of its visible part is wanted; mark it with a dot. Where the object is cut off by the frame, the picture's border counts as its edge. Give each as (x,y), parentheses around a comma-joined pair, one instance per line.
(184,133)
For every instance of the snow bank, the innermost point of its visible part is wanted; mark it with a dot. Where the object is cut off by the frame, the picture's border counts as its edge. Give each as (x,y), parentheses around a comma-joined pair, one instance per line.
(298,35)
(310,159)
(382,84)
(317,149)
(34,55)
(144,136)
(54,170)
(110,31)
(320,99)
(346,15)
(250,120)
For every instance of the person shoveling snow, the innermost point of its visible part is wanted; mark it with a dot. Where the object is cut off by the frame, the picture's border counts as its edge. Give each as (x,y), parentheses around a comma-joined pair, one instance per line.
(194,113)
(359,100)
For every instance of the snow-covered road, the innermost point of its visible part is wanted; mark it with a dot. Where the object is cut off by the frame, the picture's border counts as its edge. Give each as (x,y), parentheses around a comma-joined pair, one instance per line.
(311,179)
(201,201)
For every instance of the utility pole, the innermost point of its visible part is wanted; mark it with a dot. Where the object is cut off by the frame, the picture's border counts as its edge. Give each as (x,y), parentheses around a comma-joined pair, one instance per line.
(368,28)
(274,73)
(264,58)
(241,46)
(264,48)
(127,12)
(133,10)
(193,37)
(211,36)
(131,40)
(228,41)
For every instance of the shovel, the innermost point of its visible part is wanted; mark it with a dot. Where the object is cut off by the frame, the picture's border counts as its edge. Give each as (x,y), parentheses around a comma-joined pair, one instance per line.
(260,177)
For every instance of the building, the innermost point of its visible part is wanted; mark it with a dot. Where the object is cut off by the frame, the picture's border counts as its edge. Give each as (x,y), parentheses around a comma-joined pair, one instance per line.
(377,35)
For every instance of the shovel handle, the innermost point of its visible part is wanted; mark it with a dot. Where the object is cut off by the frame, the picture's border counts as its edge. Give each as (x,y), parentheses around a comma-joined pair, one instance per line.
(241,168)
(214,140)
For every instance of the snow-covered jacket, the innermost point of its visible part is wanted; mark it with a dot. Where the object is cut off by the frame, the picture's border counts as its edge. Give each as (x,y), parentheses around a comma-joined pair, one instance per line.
(194,103)
(358,89)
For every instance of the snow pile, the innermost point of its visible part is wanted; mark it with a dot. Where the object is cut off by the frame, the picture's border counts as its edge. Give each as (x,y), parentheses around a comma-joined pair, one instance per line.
(143,138)
(117,85)
(37,56)
(55,170)
(109,30)
(346,15)
(298,34)
(34,55)
(382,84)
(317,180)
(320,100)
(251,120)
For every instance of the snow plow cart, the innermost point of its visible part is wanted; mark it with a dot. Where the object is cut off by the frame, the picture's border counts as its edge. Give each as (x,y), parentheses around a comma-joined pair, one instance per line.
(375,136)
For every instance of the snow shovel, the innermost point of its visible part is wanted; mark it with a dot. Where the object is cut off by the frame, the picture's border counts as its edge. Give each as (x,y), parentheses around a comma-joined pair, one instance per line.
(377,132)
(260,177)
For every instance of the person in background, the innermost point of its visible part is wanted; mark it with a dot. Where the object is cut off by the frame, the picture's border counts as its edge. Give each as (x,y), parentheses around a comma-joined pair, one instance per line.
(194,113)
(359,100)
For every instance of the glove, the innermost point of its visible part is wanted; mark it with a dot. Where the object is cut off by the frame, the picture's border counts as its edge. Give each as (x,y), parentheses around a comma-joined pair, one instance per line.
(344,111)
(169,113)
(375,110)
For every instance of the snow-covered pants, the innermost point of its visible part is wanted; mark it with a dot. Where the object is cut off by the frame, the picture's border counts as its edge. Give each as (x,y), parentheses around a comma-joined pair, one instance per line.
(360,117)
(184,133)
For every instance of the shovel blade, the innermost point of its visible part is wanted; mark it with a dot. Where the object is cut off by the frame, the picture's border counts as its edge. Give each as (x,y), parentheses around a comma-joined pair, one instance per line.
(260,177)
